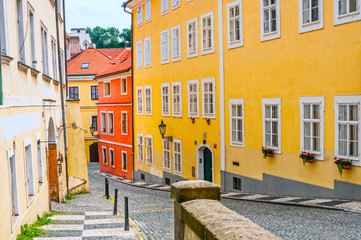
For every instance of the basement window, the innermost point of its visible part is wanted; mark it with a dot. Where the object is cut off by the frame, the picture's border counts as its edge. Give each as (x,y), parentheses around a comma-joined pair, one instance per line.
(84,65)
(237,184)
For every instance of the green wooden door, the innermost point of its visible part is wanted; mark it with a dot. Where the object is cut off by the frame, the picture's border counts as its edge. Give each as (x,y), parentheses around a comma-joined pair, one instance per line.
(207,156)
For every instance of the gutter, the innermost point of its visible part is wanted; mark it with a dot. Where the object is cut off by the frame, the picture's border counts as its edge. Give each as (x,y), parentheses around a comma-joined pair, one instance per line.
(111,74)
(124,5)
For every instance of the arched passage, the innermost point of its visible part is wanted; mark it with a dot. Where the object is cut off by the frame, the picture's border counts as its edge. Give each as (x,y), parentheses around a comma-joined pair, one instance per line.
(205,163)
(53,162)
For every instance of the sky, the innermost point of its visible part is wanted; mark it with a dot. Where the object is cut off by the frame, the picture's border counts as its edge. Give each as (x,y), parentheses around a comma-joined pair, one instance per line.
(92,13)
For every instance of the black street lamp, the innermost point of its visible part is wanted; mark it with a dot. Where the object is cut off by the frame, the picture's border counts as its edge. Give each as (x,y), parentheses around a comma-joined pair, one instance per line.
(92,129)
(162,130)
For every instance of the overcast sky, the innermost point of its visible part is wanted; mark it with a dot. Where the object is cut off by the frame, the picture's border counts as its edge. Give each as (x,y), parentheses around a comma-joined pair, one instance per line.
(92,13)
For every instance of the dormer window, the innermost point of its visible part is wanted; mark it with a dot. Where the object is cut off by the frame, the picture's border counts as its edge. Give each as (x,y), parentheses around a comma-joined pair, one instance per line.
(84,65)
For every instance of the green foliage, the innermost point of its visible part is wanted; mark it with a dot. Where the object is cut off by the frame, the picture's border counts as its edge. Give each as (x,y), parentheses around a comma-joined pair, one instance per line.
(31,231)
(110,37)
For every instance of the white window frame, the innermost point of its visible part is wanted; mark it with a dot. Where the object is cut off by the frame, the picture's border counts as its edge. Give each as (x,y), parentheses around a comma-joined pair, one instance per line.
(140,97)
(178,114)
(140,16)
(90,91)
(175,5)
(106,155)
(236,102)
(170,155)
(272,101)
(209,115)
(122,86)
(148,11)
(164,7)
(139,55)
(211,49)
(163,85)
(5,33)
(110,158)
(32,32)
(40,161)
(55,58)
(179,57)
(110,89)
(21,36)
(164,60)
(126,122)
(149,62)
(178,141)
(190,114)
(348,17)
(146,150)
(103,125)
(108,126)
(271,35)
(91,121)
(352,99)
(14,220)
(74,86)
(140,154)
(148,113)
(236,43)
(30,189)
(126,161)
(311,26)
(314,101)
(45,49)
(192,54)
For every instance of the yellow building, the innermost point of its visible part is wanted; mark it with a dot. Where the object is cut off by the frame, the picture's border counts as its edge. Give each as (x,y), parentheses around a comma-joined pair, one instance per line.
(32,147)
(227,63)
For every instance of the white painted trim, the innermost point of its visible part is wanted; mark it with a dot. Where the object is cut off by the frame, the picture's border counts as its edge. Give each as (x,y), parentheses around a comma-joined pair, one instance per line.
(207,115)
(151,100)
(165,60)
(126,160)
(238,43)
(165,10)
(177,58)
(69,86)
(149,3)
(110,162)
(121,86)
(195,54)
(91,116)
(232,102)
(313,100)
(346,18)
(164,114)
(11,153)
(28,143)
(272,101)
(110,89)
(140,16)
(139,135)
(138,112)
(90,92)
(176,5)
(200,149)
(308,27)
(271,35)
(180,173)
(121,121)
(195,81)
(211,50)
(108,127)
(6,30)
(115,143)
(180,100)
(139,54)
(148,39)
(103,124)
(170,156)
(106,154)
(146,151)
(112,104)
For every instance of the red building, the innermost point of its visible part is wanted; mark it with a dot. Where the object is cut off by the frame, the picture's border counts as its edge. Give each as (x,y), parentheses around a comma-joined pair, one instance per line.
(115,117)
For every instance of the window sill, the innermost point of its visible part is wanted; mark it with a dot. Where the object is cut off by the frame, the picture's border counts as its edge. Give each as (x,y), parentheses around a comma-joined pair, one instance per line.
(177,116)
(178,173)
(147,66)
(208,51)
(148,114)
(56,82)
(30,200)
(239,145)
(235,44)
(148,20)
(348,15)
(140,113)
(6,59)
(175,7)
(167,170)
(164,61)
(176,59)
(23,67)
(140,24)
(165,12)
(139,67)
(125,134)
(34,72)
(193,116)
(46,78)
(270,36)
(193,55)
(209,116)
(165,114)
(15,221)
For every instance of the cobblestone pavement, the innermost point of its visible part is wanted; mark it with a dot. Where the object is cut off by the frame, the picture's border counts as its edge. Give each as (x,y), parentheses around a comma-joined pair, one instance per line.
(152,213)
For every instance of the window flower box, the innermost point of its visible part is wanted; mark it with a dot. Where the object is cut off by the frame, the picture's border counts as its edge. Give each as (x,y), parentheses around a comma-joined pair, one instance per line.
(342,164)
(267,152)
(307,157)
(111,131)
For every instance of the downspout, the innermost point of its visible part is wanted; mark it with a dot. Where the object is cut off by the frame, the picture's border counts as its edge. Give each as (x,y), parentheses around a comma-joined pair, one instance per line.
(132,82)
(65,51)
(221,93)
(62,96)
(1,79)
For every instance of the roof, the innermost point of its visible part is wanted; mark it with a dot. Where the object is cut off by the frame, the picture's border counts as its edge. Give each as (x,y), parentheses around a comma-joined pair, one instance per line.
(97,59)
(123,63)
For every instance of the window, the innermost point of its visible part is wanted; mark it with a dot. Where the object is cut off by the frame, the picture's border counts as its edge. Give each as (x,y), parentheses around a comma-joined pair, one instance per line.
(165,99)
(13,187)
(103,122)
(272,123)
(148,11)
(107,89)
(165,6)
(208,90)
(175,4)
(44,50)
(29,170)
(348,115)
(32,37)
(85,65)
(177,99)
(124,123)
(140,100)
(55,59)
(207,22)
(192,38)
(176,43)
(147,52)
(166,155)
(177,148)
(311,15)
(165,46)
(140,16)
(74,92)
(60,7)
(346,11)
(111,157)
(94,122)
(149,149)
(40,162)
(124,161)
(193,99)
(105,158)
(237,185)
(235,31)
(21,31)
(237,122)
(312,111)
(110,123)
(139,55)
(148,100)
(140,148)
(270,20)
(94,95)
(3,25)
(124,86)
(62,63)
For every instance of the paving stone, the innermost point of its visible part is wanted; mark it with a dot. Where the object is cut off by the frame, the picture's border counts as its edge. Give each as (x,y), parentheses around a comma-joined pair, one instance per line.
(298,200)
(104,226)
(268,198)
(332,203)
(103,221)
(63,227)
(68,217)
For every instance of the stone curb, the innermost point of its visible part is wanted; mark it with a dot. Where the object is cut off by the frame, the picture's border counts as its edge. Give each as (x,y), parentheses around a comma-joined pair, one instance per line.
(149,186)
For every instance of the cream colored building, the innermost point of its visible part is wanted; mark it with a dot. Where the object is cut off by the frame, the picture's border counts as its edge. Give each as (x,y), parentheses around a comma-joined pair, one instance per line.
(32,152)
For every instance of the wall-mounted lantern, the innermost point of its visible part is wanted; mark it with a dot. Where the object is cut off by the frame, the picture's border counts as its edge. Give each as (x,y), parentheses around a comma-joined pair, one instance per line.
(162,130)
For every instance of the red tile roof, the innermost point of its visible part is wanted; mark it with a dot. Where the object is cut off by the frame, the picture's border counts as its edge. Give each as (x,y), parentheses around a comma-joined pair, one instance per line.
(123,63)
(111,52)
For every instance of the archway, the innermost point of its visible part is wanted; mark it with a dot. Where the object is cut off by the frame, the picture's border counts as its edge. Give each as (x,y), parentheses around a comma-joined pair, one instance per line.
(53,162)
(205,163)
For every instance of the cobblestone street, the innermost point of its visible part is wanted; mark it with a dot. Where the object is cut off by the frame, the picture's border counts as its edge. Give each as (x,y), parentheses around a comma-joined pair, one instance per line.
(152,213)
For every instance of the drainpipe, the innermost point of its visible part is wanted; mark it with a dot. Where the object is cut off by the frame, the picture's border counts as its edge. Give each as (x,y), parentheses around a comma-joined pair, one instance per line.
(62,95)
(1,80)
(65,51)
(132,82)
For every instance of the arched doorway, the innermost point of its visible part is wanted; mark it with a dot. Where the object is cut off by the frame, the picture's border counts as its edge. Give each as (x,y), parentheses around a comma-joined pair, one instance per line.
(53,162)
(205,163)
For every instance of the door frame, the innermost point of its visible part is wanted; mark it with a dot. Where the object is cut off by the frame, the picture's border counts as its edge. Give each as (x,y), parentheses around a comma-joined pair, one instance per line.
(200,166)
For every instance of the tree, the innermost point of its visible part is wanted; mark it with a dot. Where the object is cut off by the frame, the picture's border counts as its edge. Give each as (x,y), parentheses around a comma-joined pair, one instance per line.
(110,37)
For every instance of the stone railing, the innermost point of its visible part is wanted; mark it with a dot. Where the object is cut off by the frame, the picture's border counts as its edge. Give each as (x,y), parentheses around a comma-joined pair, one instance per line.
(198,214)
